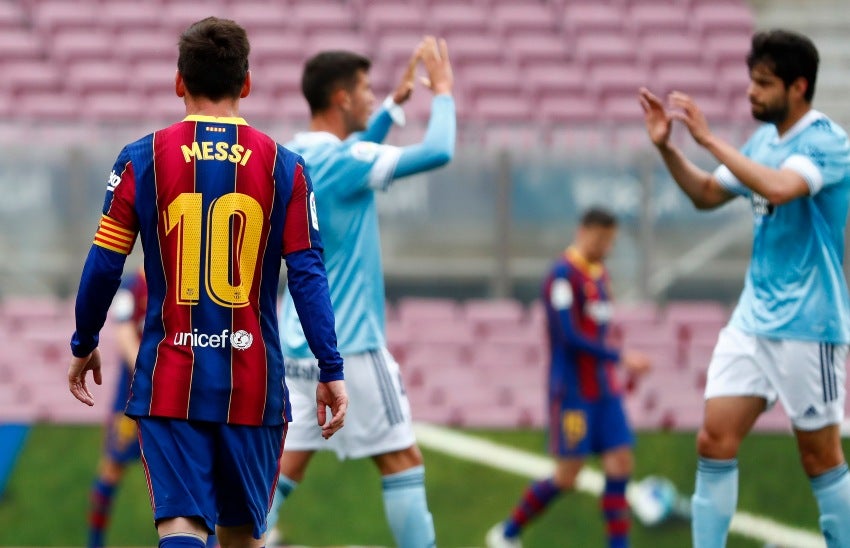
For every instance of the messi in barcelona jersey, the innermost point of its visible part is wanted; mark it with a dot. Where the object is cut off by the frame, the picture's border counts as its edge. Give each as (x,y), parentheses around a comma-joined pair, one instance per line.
(217,205)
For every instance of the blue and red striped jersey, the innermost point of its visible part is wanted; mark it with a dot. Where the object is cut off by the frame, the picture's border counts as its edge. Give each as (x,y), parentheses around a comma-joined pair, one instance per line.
(217,205)
(577,298)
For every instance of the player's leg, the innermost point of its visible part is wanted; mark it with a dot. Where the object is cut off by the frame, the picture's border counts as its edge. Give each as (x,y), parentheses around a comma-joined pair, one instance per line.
(293,466)
(737,392)
(380,426)
(121,447)
(613,439)
(810,379)
(247,464)
(177,457)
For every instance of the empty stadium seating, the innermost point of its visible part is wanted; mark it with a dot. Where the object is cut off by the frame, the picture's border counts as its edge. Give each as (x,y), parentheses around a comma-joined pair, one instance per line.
(527,61)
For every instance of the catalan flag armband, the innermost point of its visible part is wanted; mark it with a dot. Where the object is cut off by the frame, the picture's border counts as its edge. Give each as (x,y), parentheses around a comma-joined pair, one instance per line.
(112,236)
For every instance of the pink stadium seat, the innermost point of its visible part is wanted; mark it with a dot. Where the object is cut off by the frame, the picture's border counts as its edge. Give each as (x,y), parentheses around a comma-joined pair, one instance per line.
(395,49)
(294,109)
(124,16)
(554,79)
(618,80)
(587,18)
(276,46)
(261,16)
(259,109)
(165,108)
(323,16)
(11,16)
(146,45)
(473,49)
(486,80)
(733,81)
(348,41)
(155,76)
(658,19)
(414,310)
(503,108)
(605,49)
(459,17)
(696,312)
(527,48)
(728,48)
(511,17)
(671,48)
(568,108)
(687,78)
(492,311)
(177,16)
(87,76)
(710,17)
(81,45)
(640,313)
(18,44)
(52,15)
(28,76)
(113,106)
(395,17)
(278,77)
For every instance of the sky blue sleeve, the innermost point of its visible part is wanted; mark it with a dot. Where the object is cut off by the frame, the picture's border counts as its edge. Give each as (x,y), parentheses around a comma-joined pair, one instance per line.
(437,147)
(308,284)
(98,284)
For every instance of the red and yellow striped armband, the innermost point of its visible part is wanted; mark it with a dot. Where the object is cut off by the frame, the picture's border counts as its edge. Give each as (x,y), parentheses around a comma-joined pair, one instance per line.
(112,236)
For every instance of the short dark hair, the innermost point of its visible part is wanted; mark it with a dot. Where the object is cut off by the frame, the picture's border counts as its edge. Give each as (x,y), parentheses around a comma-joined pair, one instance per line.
(213,59)
(598,216)
(326,72)
(787,54)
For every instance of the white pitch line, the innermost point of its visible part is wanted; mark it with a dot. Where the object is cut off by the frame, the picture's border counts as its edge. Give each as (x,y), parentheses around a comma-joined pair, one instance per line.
(589,480)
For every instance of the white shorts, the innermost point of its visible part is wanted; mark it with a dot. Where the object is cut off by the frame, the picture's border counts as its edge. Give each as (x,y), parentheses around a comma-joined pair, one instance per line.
(378,418)
(807,377)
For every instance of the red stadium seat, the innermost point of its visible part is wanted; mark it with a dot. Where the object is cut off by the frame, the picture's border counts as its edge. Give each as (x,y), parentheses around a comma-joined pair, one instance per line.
(474,49)
(618,80)
(261,17)
(113,106)
(658,49)
(587,18)
(28,76)
(87,76)
(177,16)
(52,15)
(710,17)
(81,45)
(277,46)
(487,80)
(569,108)
(337,40)
(155,76)
(555,79)
(513,17)
(395,17)
(278,77)
(728,48)
(686,78)
(535,48)
(318,15)
(658,19)
(146,45)
(11,16)
(19,44)
(457,17)
(125,16)
(503,108)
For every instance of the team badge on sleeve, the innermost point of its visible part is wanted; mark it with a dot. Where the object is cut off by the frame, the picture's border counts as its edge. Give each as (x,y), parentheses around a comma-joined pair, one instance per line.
(314,217)
(561,294)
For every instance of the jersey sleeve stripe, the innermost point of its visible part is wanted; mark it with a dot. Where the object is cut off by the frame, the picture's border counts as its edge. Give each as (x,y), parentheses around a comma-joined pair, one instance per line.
(116,227)
(114,237)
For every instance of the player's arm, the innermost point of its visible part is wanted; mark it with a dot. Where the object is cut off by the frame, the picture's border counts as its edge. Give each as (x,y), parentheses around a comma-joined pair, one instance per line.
(561,298)
(101,275)
(703,188)
(795,178)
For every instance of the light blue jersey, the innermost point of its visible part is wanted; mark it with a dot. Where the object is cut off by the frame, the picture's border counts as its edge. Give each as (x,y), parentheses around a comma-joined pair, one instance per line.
(345,176)
(795,286)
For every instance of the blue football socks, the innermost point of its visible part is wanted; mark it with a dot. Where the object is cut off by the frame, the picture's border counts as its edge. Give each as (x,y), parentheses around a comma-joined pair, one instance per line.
(832,491)
(714,501)
(407,508)
(181,540)
(101,503)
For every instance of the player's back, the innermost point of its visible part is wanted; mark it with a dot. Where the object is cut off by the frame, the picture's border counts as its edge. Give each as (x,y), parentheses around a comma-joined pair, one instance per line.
(574,370)
(211,196)
(340,173)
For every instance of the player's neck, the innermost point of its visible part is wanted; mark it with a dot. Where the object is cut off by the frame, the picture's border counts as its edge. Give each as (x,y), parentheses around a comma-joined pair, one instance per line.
(201,106)
(794,116)
(329,123)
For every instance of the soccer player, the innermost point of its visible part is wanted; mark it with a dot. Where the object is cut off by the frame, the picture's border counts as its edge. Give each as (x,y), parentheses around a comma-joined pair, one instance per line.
(347,172)
(217,205)
(787,338)
(586,414)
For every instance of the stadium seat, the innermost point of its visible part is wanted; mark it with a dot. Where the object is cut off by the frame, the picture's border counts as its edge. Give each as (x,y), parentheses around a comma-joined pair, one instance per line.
(686,78)
(145,45)
(551,79)
(412,310)
(490,312)
(513,17)
(177,16)
(20,44)
(155,76)
(88,76)
(658,19)
(593,18)
(503,108)
(123,16)
(397,17)
(607,49)
(568,108)
(527,48)
(657,49)
(28,76)
(711,17)
(277,77)
(50,16)
(474,49)
(487,80)
(12,16)
(277,46)
(458,17)
(728,48)
(337,40)
(258,16)
(321,16)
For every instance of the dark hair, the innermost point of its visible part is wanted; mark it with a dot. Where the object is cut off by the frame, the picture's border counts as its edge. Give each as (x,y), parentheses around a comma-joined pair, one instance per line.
(213,59)
(326,72)
(787,54)
(597,216)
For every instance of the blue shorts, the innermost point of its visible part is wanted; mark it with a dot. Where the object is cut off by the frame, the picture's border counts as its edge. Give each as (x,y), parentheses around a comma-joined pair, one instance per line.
(578,427)
(222,474)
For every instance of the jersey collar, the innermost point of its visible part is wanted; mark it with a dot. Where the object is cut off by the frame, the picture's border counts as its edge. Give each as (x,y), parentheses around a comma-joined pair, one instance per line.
(214,119)
(593,270)
(808,119)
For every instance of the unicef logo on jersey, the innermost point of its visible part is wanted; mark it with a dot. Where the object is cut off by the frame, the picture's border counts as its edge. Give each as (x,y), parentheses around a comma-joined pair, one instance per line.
(241,340)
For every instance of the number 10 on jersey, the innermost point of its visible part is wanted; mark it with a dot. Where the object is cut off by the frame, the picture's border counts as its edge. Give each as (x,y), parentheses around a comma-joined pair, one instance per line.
(234,226)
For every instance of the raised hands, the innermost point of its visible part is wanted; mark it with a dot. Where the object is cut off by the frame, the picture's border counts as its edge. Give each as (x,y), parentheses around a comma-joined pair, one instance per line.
(659,120)
(408,78)
(435,58)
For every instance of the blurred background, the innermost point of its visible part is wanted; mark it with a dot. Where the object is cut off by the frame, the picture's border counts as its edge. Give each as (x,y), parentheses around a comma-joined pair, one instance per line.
(549,124)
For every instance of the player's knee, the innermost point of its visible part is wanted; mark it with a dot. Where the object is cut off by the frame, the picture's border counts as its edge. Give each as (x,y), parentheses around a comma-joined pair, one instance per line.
(818,459)
(714,444)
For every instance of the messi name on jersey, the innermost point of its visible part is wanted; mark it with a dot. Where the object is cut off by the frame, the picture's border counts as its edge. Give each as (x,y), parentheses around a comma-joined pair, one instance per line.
(221,151)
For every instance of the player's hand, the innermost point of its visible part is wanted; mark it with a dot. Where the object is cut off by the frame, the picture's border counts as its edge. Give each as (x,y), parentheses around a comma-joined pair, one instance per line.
(636,363)
(690,114)
(435,57)
(331,394)
(77,376)
(658,122)
(408,79)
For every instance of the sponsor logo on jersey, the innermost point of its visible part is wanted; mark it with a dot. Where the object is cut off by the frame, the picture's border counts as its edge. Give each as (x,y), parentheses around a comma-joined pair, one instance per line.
(240,340)
(314,217)
(113,182)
